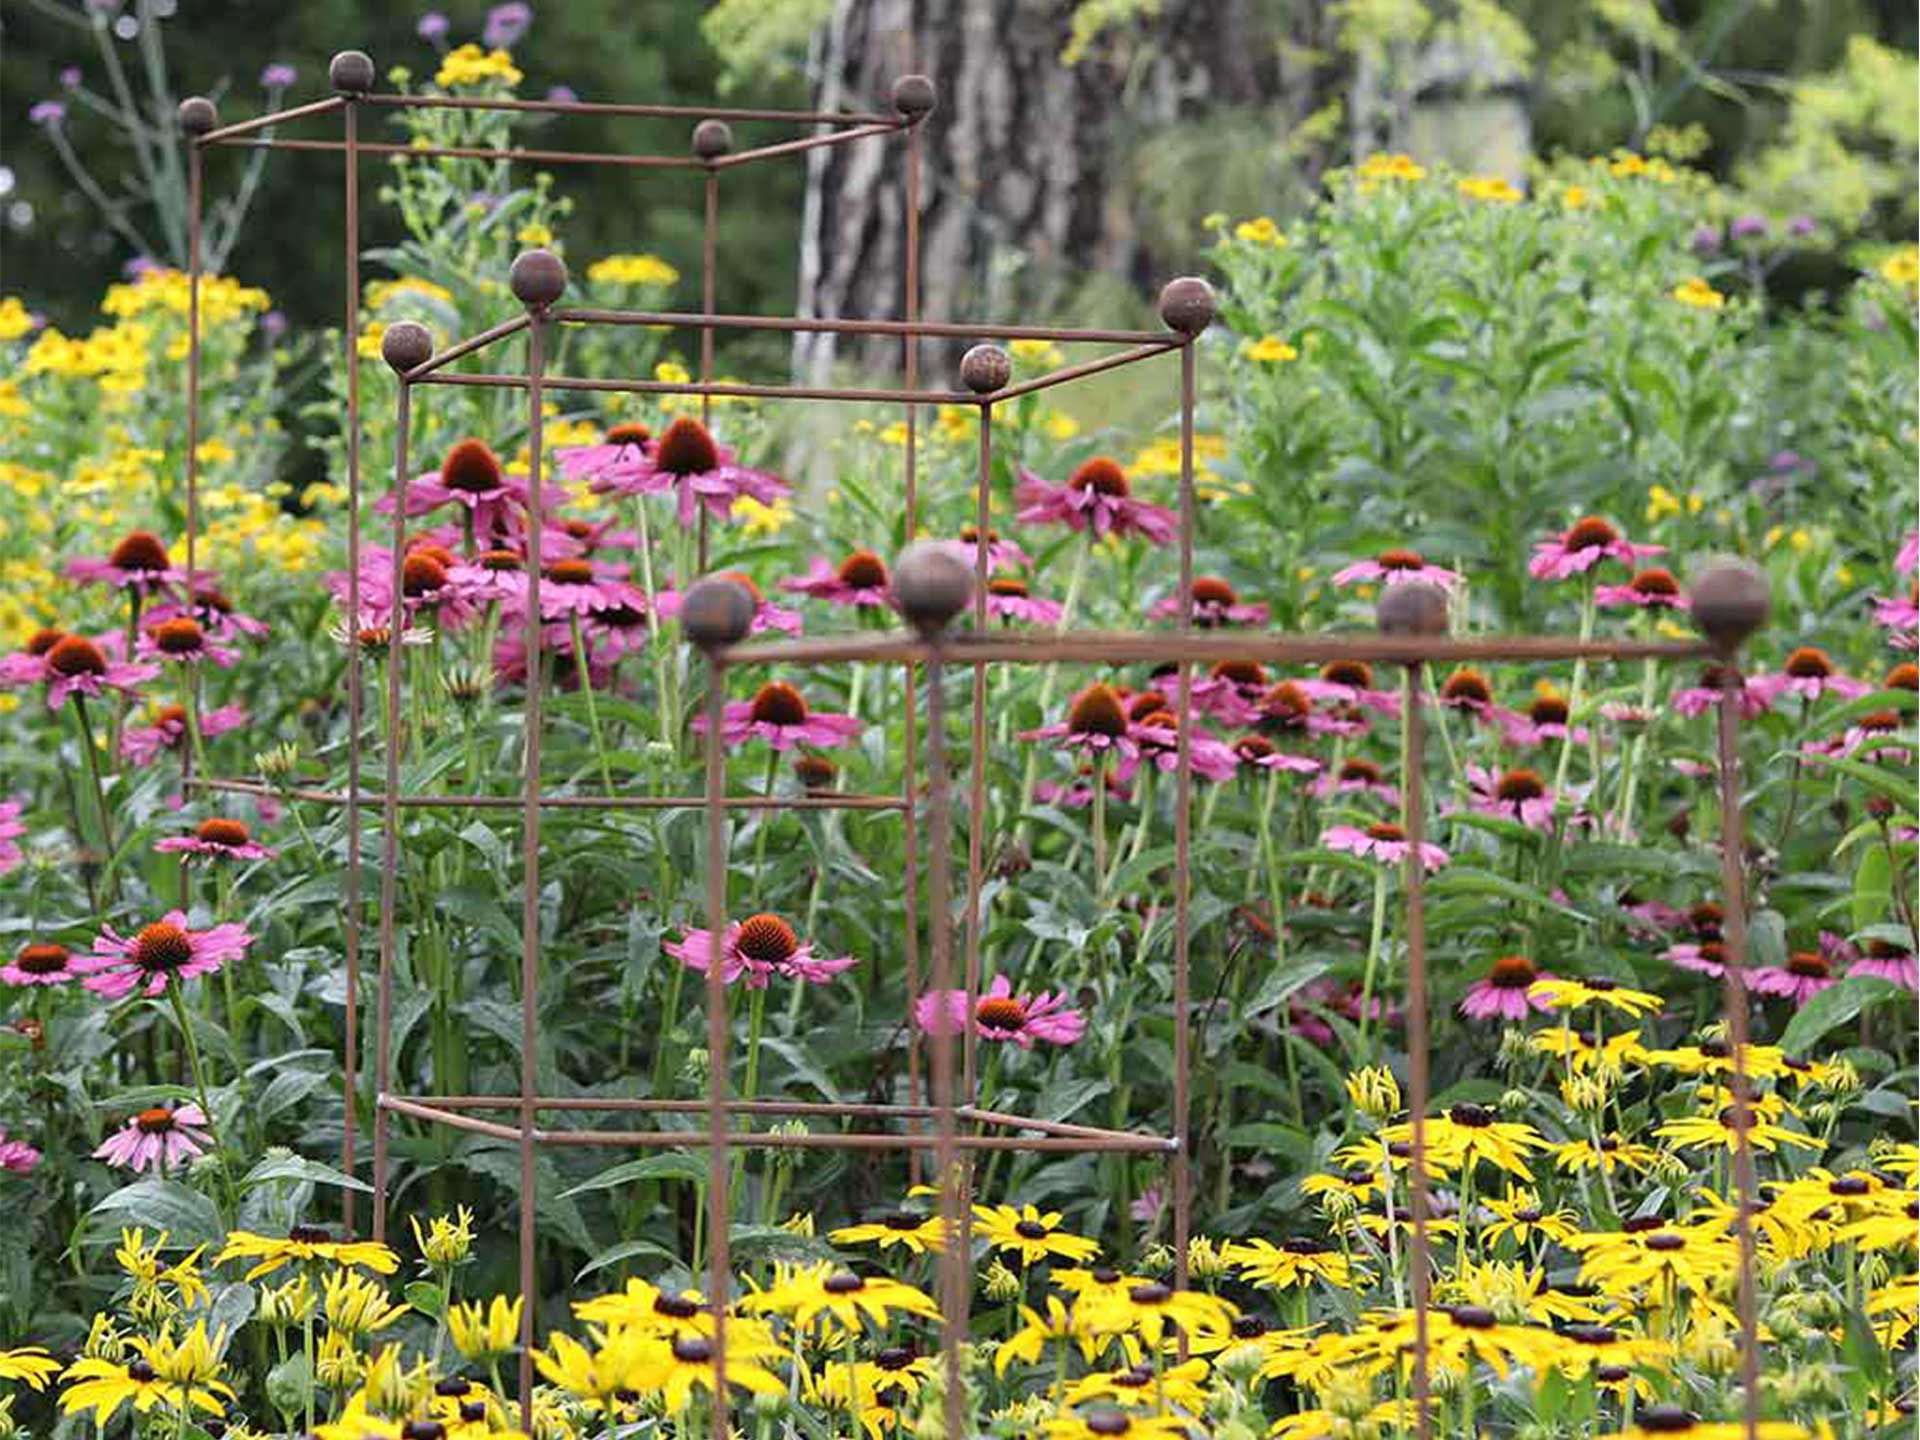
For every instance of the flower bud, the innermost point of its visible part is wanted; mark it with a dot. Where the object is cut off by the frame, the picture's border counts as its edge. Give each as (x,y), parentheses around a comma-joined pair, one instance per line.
(1001,1283)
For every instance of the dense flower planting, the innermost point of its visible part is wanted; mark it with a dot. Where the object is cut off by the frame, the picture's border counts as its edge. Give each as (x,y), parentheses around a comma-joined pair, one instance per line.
(1552,405)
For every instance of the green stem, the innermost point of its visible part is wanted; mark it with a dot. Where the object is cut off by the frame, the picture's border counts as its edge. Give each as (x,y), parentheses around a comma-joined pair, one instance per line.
(1052,675)
(93,770)
(583,666)
(197,1069)
(1574,696)
(1373,956)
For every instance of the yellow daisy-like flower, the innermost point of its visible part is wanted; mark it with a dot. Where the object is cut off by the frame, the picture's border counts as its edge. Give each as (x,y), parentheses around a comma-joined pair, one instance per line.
(103,1386)
(190,1364)
(649,270)
(1358,1182)
(1576,1157)
(29,1363)
(1390,167)
(1521,1217)
(1467,1134)
(642,1306)
(470,65)
(15,320)
(1673,1422)
(1496,189)
(1715,1057)
(1723,1128)
(1374,1092)
(1038,1331)
(448,1239)
(1291,1263)
(674,1369)
(1136,1387)
(1900,268)
(534,234)
(1154,1308)
(877,1389)
(1268,350)
(1575,197)
(1654,1257)
(1894,1309)
(1104,1422)
(1560,994)
(304,1244)
(1699,294)
(1261,230)
(825,1292)
(485,1334)
(1031,1234)
(358,1306)
(1042,353)
(917,1234)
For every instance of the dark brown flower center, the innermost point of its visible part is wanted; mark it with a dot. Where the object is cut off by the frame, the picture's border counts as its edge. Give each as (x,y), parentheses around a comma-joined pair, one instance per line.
(1000,1012)
(816,772)
(767,939)
(1097,711)
(422,576)
(1666,1420)
(1809,663)
(1401,560)
(310,1235)
(157,1121)
(1301,1246)
(1904,677)
(843,1282)
(1008,585)
(179,636)
(1656,584)
(895,1357)
(1712,951)
(1356,673)
(629,433)
(162,946)
(230,833)
(1151,1293)
(571,572)
(686,448)
(1548,710)
(1108,1422)
(1287,701)
(140,1372)
(472,468)
(1253,747)
(692,1349)
(675,1307)
(497,560)
(1385,830)
(1030,1230)
(778,703)
(1213,591)
(1474,1117)
(1512,972)
(863,570)
(1102,476)
(42,958)
(141,550)
(1706,917)
(1590,534)
(41,641)
(1467,687)
(1810,964)
(1473,1317)
(76,655)
(1363,772)
(1518,785)
(1880,721)
(1247,674)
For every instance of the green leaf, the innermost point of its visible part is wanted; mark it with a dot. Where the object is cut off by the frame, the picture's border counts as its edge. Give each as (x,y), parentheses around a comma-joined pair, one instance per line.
(187,1216)
(674,1165)
(429,1299)
(288,1385)
(625,1250)
(298,1167)
(1471,880)
(1834,1006)
(1872,887)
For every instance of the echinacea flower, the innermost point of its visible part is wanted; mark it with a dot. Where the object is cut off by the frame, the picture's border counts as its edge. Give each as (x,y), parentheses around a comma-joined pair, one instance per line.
(1469,690)
(1009,599)
(1546,719)
(759,947)
(1502,992)
(1707,956)
(1582,546)
(1398,567)
(1381,841)
(182,641)
(1156,738)
(1756,695)
(472,478)
(1357,776)
(11,829)
(142,744)
(1653,589)
(87,669)
(220,838)
(1518,794)
(159,1138)
(17,1157)
(698,469)
(1288,707)
(1350,682)
(1096,722)
(1804,974)
(778,714)
(1215,604)
(1809,673)
(215,611)
(1002,554)
(1231,691)
(586,588)
(1262,754)
(165,950)
(40,962)
(1096,498)
(139,563)
(766,614)
(1878,957)
(999,1014)
(860,581)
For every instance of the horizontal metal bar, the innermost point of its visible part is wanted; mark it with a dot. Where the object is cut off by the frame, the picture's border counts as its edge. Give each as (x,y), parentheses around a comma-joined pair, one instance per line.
(717,389)
(810,142)
(941,329)
(829,800)
(225,133)
(481,152)
(468,346)
(1199,646)
(1070,373)
(641,110)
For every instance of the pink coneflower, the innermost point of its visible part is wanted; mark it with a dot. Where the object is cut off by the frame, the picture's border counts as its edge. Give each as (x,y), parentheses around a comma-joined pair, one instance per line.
(1908,560)
(1262,754)
(182,641)
(1703,957)
(1231,692)
(1756,697)
(1902,616)
(1871,737)
(1469,690)
(28,666)
(1518,794)
(1502,993)
(139,563)
(758,947)
(999,1014)
(1546,719)
(1357,777)
(1809,673)
(11,829)
(142,744)
(565,539)
(1381,841)
(1096,722)
(860,581)
(1001,554)
(778,714)
(16,1156)
(1581,547)
(584,587)
(623,452)
(1078,794)
(1214,604)
(1652,917)
(1398,567)
(159,1138)
(1878,957)
(215,612)
(1804,975)
(1350,682)
(698,469)
(492,575)
(221,838)
(1156,738)
(766,614)
(79,666)
(472,479)
(41,963)
(1096,498)
(165,950)
(561,662)
(1654,589)
(1008,599)
(1287,708)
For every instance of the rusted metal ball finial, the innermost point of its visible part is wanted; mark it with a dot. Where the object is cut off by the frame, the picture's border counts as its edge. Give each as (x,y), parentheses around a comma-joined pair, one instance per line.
(1730,600)
(985,369)
(405,345)
(538,278)
(1187,305)
(1412,609)
(197,115)
(931,585)
(351,72)
(914,96)
(717,612)
(712,139)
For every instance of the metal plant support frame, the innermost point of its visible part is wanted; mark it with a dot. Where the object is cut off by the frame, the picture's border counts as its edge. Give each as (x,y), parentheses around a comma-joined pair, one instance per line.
(935,1124)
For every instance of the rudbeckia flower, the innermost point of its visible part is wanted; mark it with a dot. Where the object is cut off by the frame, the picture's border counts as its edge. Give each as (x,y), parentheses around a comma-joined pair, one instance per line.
(1675,1422)
(1107,1423)
(917,1234)
(847,1300)
(1032,1234)
(1571,994)
(1611,1153)
(1722,1130)
(485,1334)
(301,1245)
(1293,1262)
(1469,1133)
(165,950)
(641,1306)
(674,1368)
(1097,498)
(1520,1215)
(103,1386)
(30,1363)
(1154,1310)
(1139,1387)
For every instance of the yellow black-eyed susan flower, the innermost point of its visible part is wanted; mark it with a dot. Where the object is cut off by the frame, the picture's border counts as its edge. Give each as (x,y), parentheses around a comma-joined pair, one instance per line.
(1032,1234)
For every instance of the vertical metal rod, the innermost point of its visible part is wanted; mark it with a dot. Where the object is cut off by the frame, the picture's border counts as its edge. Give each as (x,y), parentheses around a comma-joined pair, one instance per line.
(1182,1166)
(530,867)
(719,1173)
(1734,982)
(709,244)
(194,188)
(390,798)
(910,745)
(349,1089)
(955,1260)
(977,750)
(1414,816)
